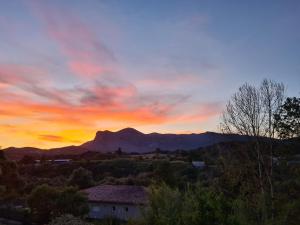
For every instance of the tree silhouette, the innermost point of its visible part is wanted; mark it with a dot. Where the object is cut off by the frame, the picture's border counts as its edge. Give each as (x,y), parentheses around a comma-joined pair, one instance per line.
(287,120)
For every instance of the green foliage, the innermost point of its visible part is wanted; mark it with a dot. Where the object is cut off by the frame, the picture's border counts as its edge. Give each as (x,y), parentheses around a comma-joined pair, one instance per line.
(164,206)
(164,172)
(290,213)
(82,178)
(13,213)
(68,220)
(230,192)
(42,202)
(70,201)
(195,206)
(10,179)
(287,121)
(47,202)
(203,206)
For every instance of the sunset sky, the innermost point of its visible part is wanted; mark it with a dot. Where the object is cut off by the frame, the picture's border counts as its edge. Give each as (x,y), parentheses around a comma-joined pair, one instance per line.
(71,67)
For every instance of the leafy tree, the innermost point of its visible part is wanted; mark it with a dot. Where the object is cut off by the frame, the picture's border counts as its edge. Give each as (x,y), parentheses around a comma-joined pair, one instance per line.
(68,220)
(195,206)
(164,207)
(204,206)
(82,178)
(9,176)
(47,202)
(287,120)
(42,202)
(71,201)
(164,172)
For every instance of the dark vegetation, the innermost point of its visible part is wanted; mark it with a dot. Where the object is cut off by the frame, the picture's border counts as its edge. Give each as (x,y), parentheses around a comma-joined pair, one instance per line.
(226,189)
(242,183)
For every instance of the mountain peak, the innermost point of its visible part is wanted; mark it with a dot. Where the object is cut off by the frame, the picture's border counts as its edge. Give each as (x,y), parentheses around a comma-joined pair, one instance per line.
(126,131)
(103,132)
(129,130)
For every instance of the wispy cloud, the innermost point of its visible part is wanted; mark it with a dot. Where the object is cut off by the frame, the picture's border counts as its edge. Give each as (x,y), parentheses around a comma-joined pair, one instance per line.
(48,137)
(86,53)
(16,74)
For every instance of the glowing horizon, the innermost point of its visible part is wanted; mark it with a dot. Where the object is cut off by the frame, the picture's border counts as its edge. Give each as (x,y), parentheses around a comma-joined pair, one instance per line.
(69,69)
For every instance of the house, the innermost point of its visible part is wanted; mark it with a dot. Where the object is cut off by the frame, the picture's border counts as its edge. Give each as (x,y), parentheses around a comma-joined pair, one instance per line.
(198,164)
(61,161)
(54,161)
(122,202)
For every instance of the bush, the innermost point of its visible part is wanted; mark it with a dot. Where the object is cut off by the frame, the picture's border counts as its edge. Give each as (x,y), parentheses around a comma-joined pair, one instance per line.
(192,207)
(82,178)
(47,202)
(68,220)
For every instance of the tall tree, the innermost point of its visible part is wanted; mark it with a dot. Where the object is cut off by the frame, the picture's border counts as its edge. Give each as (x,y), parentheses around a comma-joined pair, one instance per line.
(251,109)
(272,95)
(244,115)
(287,120)
(250,112)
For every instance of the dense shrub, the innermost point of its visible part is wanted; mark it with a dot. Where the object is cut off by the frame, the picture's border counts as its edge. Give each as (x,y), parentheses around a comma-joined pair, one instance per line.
(48,202)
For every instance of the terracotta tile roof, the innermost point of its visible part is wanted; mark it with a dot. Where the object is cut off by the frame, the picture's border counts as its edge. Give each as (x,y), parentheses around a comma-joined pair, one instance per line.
(122,194)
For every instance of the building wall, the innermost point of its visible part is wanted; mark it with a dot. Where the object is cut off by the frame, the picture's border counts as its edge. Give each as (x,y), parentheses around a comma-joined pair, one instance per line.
(119,211)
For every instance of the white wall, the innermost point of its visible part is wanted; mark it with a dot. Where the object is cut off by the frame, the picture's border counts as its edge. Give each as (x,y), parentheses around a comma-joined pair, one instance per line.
(104,210)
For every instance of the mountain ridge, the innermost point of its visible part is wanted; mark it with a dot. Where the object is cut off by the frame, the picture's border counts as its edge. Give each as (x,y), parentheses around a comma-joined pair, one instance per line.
(131,140)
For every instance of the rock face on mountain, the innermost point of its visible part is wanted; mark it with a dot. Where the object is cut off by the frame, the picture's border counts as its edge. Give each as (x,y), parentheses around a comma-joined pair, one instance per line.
(131,140)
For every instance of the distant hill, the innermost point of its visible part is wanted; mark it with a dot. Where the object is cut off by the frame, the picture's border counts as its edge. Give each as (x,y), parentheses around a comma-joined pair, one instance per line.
(131,140)
(18,153)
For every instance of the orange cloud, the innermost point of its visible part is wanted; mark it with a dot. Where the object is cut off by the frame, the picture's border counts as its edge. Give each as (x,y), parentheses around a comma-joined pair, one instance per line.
(36,118)
(48,137)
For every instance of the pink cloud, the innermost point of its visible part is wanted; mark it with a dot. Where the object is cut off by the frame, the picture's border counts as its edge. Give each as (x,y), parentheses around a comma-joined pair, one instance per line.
(31,80)
(86,53)
(14,74)
(86,68)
